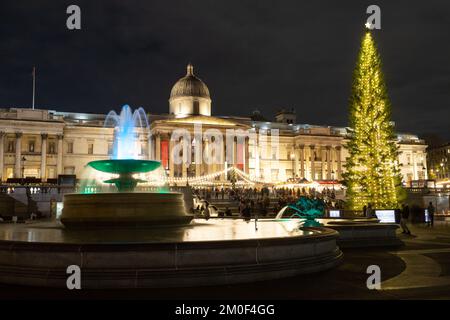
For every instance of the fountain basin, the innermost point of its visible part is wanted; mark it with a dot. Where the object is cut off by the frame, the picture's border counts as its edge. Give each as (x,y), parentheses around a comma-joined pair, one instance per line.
(121,166)
(358,233)
(125,168)
(124,209)
(353,232)
(202,253)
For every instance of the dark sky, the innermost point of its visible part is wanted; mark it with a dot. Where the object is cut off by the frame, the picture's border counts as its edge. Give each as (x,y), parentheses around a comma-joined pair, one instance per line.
(252,55)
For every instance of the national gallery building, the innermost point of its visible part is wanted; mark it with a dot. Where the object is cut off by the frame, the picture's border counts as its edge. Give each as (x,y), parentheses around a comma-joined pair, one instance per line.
(45,143)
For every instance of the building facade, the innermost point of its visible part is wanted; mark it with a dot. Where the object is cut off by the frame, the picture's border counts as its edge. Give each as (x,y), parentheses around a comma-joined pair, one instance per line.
(45,143)
(439,164)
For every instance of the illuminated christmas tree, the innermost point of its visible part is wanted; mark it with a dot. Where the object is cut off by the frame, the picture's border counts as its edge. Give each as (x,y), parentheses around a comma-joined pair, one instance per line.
(373,174)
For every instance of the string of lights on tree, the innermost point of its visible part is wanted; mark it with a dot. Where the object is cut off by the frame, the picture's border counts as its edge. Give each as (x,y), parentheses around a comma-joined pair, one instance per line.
(373,174)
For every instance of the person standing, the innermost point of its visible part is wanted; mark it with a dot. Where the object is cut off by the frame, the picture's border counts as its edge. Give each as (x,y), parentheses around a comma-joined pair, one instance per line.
(370,212)
(431,211)
(206,213)
(404,219)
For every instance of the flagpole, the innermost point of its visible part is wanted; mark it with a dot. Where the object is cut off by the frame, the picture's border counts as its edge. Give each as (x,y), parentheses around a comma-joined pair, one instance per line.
(34,85)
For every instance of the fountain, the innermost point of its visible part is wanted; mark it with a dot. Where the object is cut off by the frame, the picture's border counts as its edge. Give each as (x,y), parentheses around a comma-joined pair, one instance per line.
(153,242)
(127,207)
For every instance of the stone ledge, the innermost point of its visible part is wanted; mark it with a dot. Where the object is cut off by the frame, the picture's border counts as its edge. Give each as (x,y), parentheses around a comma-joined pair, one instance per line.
(96,278)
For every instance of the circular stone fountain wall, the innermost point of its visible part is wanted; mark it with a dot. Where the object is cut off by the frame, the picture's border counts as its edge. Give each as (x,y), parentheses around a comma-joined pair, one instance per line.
(202,253)
(123,209)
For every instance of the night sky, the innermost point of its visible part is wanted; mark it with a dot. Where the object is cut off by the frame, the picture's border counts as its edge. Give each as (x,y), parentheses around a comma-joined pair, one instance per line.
(261,55)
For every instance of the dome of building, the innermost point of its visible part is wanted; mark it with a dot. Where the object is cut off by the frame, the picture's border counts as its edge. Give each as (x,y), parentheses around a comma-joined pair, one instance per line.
(189,86)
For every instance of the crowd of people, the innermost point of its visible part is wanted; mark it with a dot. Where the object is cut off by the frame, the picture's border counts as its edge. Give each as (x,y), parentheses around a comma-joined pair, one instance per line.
(265,201)
(257,201)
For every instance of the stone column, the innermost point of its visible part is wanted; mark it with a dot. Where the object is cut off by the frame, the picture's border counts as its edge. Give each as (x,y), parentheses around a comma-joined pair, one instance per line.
(294,151)
(206,157)
(213,165)
(44,156)
(312,160)
(339,165)
(413,158)
(17,164)
(183,164)
(223,176)
(158,147)
(302,161)
(59,164)
(245,155)
(150,147)
(171,156)
(2,145)
(322,162)
(257,160)
(198,156)
(328,148)
(235,156)
(184,170)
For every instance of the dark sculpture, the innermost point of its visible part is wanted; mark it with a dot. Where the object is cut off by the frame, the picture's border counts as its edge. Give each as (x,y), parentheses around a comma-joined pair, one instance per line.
(309,209)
